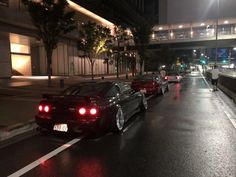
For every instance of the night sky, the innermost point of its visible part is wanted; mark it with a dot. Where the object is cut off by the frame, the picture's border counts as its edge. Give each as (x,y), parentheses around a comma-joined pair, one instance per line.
(180,11)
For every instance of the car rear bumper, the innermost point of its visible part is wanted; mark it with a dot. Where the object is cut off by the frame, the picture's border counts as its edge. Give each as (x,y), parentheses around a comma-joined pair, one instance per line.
(73,125)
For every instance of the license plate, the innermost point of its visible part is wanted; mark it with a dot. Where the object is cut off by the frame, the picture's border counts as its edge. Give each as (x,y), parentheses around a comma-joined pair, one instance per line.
(61,127)
(143,90)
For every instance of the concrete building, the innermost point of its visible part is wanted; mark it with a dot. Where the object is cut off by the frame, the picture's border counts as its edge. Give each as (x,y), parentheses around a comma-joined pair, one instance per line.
(23,54)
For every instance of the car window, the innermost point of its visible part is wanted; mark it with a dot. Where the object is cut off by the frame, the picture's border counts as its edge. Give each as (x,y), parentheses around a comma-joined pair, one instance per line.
(126,89)
(144,77)
(85,90)
(113,92)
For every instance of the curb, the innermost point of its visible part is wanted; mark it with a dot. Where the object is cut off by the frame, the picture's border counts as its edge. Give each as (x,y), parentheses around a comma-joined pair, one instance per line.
(17,129)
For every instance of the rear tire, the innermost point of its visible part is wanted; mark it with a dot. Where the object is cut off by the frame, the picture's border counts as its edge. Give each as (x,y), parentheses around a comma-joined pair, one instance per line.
(143,104)
(167,88)
(162,91)
(118,121)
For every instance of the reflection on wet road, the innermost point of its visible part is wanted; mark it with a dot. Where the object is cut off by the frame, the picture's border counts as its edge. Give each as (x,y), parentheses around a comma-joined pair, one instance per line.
(184,133)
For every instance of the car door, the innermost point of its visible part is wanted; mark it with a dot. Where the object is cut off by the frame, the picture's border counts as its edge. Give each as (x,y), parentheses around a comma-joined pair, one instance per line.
(131,99)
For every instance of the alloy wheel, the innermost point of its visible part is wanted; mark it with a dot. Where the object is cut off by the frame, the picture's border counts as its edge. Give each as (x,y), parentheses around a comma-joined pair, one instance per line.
(120,120)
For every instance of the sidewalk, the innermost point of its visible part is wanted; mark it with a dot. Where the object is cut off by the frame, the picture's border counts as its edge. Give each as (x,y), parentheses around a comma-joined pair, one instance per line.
(28,91)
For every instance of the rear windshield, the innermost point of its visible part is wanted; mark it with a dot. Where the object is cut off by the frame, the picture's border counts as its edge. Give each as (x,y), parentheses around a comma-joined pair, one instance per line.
(93,89)
(144,78)
(172,74)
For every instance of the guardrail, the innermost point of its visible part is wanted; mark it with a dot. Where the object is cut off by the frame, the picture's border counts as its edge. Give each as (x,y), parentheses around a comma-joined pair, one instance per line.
(226,82)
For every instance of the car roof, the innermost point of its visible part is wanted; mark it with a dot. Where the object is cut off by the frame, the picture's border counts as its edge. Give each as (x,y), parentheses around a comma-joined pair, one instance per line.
(147,76)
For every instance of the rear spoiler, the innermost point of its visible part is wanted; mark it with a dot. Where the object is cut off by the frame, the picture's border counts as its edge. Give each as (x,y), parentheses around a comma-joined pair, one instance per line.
(48,96)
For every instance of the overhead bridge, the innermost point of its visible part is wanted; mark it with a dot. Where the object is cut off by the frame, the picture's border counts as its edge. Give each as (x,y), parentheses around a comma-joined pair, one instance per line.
(208,34)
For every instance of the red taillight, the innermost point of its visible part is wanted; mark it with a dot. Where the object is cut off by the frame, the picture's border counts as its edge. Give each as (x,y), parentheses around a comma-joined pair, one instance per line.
(166,78)
(82,111)
(44,108)
(93,111)
(40,108)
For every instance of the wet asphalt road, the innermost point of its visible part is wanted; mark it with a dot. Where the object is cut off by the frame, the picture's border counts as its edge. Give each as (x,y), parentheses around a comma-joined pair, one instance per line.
(185,133)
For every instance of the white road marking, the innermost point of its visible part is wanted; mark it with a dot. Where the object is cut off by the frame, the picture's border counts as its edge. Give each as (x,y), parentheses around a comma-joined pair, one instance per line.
(224,107)
(44,158)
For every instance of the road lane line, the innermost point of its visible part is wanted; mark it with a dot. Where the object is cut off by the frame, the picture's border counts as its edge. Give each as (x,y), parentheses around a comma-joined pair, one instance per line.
(205,81)
(44,158)
(225,107)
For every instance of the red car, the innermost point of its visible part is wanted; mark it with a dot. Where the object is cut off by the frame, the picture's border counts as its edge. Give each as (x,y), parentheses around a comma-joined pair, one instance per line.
(150,84)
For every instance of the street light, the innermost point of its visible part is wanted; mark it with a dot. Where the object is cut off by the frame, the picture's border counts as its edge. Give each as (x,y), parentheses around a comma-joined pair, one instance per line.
(217,19)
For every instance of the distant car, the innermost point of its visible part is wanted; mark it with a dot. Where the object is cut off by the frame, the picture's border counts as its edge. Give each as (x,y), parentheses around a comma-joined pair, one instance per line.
(104,105)
(173,76)
(150,84)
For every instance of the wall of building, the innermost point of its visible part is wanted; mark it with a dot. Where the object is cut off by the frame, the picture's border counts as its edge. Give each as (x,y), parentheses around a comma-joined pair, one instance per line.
(23,54)
(5,59)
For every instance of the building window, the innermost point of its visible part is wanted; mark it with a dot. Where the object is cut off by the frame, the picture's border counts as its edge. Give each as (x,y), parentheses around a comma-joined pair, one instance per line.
(20,55)
(4,2)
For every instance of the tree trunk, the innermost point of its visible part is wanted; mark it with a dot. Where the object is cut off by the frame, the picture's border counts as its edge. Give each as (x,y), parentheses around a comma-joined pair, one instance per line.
(49,65)
(141,66)
(118,60)
(107,67)
(92,65)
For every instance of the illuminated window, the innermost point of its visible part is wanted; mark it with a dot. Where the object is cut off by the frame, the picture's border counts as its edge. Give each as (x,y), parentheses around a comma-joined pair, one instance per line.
(21,64)
(19,44)
(19,48)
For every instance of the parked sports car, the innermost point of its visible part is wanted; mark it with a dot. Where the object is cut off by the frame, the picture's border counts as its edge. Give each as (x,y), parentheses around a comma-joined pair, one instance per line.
(150,84)
(97,105)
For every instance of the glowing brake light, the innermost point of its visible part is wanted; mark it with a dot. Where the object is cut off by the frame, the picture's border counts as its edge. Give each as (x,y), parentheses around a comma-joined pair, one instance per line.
(166,77)
(40,108)
(44,108)
(93,111)
(90,111)
(82,111)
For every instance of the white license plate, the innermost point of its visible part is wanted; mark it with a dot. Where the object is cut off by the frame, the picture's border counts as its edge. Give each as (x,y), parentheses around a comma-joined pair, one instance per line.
(143,90)
(61,127)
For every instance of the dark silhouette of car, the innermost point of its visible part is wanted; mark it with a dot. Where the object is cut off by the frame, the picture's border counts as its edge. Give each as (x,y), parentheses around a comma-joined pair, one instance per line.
(150,84)
(97,105)
(173,76)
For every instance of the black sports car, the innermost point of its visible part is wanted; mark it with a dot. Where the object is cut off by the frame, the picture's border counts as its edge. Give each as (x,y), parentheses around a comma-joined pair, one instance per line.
(104,105)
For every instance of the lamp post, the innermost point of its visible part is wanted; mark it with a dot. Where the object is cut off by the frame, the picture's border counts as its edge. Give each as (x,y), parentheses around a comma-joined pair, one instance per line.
(217,21)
